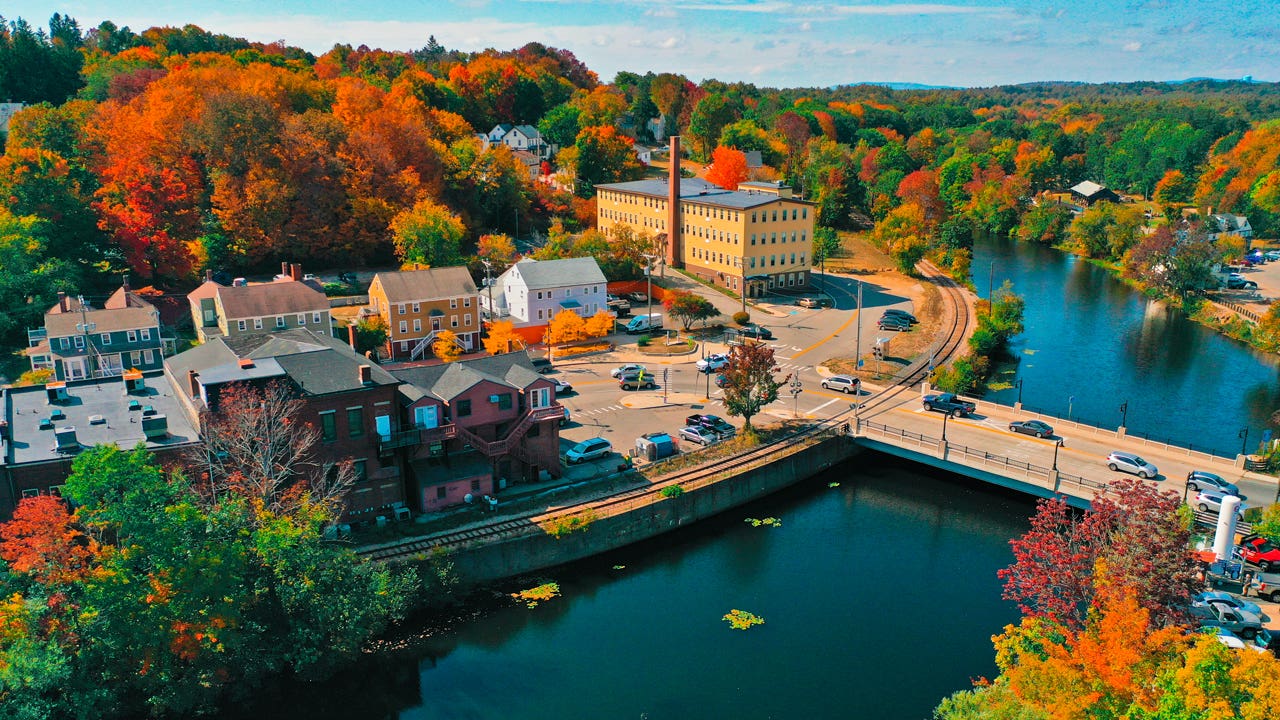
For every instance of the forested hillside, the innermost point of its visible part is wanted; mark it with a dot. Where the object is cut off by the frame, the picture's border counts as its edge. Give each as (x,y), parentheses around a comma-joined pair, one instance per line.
(168,151)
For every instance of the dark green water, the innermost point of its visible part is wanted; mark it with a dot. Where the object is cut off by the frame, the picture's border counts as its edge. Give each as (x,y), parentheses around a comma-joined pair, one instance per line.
(1093,343)
(879,598)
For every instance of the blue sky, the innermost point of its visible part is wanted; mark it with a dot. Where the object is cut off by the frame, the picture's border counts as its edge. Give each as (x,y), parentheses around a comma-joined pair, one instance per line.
(781,43)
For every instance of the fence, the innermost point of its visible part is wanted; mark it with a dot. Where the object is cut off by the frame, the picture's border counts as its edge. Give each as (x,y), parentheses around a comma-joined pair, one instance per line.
(1239,310)
(348,300)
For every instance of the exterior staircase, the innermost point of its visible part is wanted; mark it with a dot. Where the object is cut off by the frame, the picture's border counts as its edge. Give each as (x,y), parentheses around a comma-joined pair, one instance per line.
(424,345)
(511,445)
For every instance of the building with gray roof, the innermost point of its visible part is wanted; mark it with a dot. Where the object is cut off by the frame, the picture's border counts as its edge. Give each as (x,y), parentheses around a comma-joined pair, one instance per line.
(531,292)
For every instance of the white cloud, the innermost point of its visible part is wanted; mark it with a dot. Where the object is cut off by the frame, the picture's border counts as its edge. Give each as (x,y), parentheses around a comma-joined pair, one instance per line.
(1132,46)
(911,9)
(806,26)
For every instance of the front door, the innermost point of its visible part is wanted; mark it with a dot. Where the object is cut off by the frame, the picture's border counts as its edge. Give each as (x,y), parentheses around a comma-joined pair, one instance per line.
(74,368)
(426,416)
(382,423)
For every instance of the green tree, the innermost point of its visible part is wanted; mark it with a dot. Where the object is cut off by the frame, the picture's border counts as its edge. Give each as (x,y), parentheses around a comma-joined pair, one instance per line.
(32,274)
(750,383)
(689,308)
(709,118)
(826,244)
(604,156)
(830,179)
(1107,230)
(560,125)
(1045,223)
(429,234)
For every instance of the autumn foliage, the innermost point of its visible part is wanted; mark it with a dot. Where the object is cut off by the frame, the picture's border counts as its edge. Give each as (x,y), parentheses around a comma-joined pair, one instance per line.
(728,167)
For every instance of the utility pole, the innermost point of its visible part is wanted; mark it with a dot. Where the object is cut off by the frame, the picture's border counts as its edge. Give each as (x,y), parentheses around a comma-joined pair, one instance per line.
(796,389)
(489,283)
(649,261)
(857,347)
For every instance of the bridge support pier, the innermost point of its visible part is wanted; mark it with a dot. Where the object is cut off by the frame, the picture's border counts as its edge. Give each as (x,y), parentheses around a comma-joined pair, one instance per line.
(943,447)
(1120,432)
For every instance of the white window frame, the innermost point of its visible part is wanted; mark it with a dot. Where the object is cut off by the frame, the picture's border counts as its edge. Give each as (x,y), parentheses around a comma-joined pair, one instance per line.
(302,319)
(417,307)
(145,334)
(315,318)
(105,338)
(257,323)
(404,327)
(453,321)
(466,302)
(243,325)
(453,303)
(147,357)
(132,335)
(64,342)
(400,309)
(417,325)
(280,323)
(79,342)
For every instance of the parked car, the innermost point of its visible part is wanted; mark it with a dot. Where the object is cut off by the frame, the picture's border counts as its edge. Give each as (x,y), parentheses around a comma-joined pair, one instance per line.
(715,423)
(562,386)
(756,332)
(721,380)
(1255,256)
(1272,255)
(1198,480)
(698,434)
(843,383)
(808,302)
(1266,585)
(893,322)
(592,449)
(566,419)
(711,363)
(1032,427)
(637,296)
(1236,281)
(948,403)
(1245,624)
(1261,552)
(618,305)
(636,381)
(901,313)
(542,365)
(628,368)
(1128,462)
(1235,642)
(1221,598)
(1211,501)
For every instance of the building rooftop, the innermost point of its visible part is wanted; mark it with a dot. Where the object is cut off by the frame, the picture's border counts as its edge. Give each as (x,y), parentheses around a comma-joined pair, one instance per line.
(1087,188)
(274,298)
(99,410)
(449,380)
(700,191)
(543,274)
(432,284)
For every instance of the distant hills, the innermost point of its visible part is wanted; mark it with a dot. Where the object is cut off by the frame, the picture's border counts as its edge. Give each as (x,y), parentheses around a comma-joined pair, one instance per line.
(1041,83)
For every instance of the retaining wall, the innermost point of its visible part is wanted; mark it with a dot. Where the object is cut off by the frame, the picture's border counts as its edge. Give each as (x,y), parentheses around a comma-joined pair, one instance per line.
(536,550)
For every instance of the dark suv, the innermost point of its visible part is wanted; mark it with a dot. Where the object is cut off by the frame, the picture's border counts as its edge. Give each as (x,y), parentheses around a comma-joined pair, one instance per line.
(715,423)
(755,332)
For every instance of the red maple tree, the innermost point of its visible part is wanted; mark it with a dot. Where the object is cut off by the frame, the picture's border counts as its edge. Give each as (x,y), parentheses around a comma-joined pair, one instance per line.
(44,541)
(728,167)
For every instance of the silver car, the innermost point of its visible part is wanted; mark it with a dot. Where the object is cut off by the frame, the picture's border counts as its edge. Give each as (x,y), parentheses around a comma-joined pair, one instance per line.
(1132,464)
(698,434)
(1211,501)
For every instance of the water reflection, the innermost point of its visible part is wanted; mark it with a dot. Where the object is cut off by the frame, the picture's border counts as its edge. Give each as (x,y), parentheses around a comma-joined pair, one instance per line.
(1092,343)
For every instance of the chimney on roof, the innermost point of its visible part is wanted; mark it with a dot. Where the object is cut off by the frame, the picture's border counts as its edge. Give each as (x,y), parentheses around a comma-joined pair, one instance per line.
(246,363)
(125,282)
(673,205)
(284,269)
(295,271)
(62,301)
(351,336)
(366,375)
(193,384)
(208,276)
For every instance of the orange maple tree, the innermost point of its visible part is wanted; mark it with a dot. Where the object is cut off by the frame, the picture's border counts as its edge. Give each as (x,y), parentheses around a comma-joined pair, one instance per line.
(728,167)
(44,541)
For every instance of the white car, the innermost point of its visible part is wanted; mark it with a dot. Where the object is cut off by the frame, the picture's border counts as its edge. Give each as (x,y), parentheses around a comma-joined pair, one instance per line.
(588,450)
(561,386)
(631,368)
(1128,462)
(711,363)
(1211,501)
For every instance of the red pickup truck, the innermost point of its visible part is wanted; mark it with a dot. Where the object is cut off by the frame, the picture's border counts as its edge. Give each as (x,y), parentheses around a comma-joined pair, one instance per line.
(1259,551)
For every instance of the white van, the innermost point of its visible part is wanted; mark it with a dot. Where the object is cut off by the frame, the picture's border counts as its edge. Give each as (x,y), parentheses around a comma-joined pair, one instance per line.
(644,323)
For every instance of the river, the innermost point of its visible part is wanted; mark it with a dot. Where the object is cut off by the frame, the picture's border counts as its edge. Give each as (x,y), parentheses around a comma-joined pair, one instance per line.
(879,597)
(1092,343)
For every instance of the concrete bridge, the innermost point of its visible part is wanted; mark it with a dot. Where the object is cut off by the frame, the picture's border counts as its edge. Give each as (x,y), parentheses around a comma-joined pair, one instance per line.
(982,447)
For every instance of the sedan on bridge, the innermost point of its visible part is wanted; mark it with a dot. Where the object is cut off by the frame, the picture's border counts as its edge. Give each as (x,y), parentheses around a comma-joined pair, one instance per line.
(1198,480)
(1211,501)
(1119,461)
(1032,427)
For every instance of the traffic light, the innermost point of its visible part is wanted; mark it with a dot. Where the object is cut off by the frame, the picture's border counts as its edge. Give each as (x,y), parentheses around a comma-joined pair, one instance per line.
(877,351)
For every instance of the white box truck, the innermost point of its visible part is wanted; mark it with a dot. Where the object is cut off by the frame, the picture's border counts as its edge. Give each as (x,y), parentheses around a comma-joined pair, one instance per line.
(644,323)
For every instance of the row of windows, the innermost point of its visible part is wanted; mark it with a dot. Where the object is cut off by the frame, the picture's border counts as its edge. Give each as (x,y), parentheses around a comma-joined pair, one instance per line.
(65,343)
(568,292)
(417,307)
(316,318)
(629,199)
(802,213)
(773,238)
(700,254)
(435,323)
(585,311)
(776,259)
(690,208)
(710,234)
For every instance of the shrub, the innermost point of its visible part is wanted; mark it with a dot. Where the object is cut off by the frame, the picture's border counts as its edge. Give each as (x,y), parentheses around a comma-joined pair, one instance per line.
(562,526)
(742,317)
(34,377)
(644,341)
(672,491)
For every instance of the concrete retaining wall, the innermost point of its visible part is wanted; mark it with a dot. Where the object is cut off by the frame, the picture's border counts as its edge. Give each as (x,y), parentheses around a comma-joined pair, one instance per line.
(538,550)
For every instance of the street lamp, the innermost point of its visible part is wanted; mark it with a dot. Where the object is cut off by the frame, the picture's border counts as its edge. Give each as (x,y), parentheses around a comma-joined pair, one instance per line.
(1124,414)
(1056,446)
(648,276)
(1071,401)
(1019,384)
(1244,440)
(945,416)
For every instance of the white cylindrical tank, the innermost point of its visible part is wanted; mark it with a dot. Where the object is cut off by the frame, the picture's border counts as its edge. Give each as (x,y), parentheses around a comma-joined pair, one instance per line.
(1224,538)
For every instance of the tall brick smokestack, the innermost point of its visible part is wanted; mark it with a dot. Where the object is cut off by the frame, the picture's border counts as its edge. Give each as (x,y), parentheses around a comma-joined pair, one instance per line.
(673,206)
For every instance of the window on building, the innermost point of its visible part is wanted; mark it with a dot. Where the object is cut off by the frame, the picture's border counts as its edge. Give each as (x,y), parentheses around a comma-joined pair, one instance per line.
(132,335)
(540,397)
(135,358)
(355,421)
(753,216)
(302,318)
(466,320)
(453,321)
(328,426)
(466,302)
(464,408)
(453,303)
(361,468)
(773,238)
(400,309)
(315,318)
(753,262)
(793,258)
(504,401)
(279,321)
(404,346)
(148,357)
(441,492)
(242,325)
(404,327)
(105,338)
(773,260)
(257,323)
(417,325)
(79,342)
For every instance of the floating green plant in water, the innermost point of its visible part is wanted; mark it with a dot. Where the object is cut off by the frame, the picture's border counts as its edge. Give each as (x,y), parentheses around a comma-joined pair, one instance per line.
(535,595)
(833,484)
(770,521)
(742,620)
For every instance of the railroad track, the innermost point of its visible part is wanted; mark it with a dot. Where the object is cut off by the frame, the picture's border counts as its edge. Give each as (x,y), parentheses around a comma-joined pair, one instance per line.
(604,507)
(956,314)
